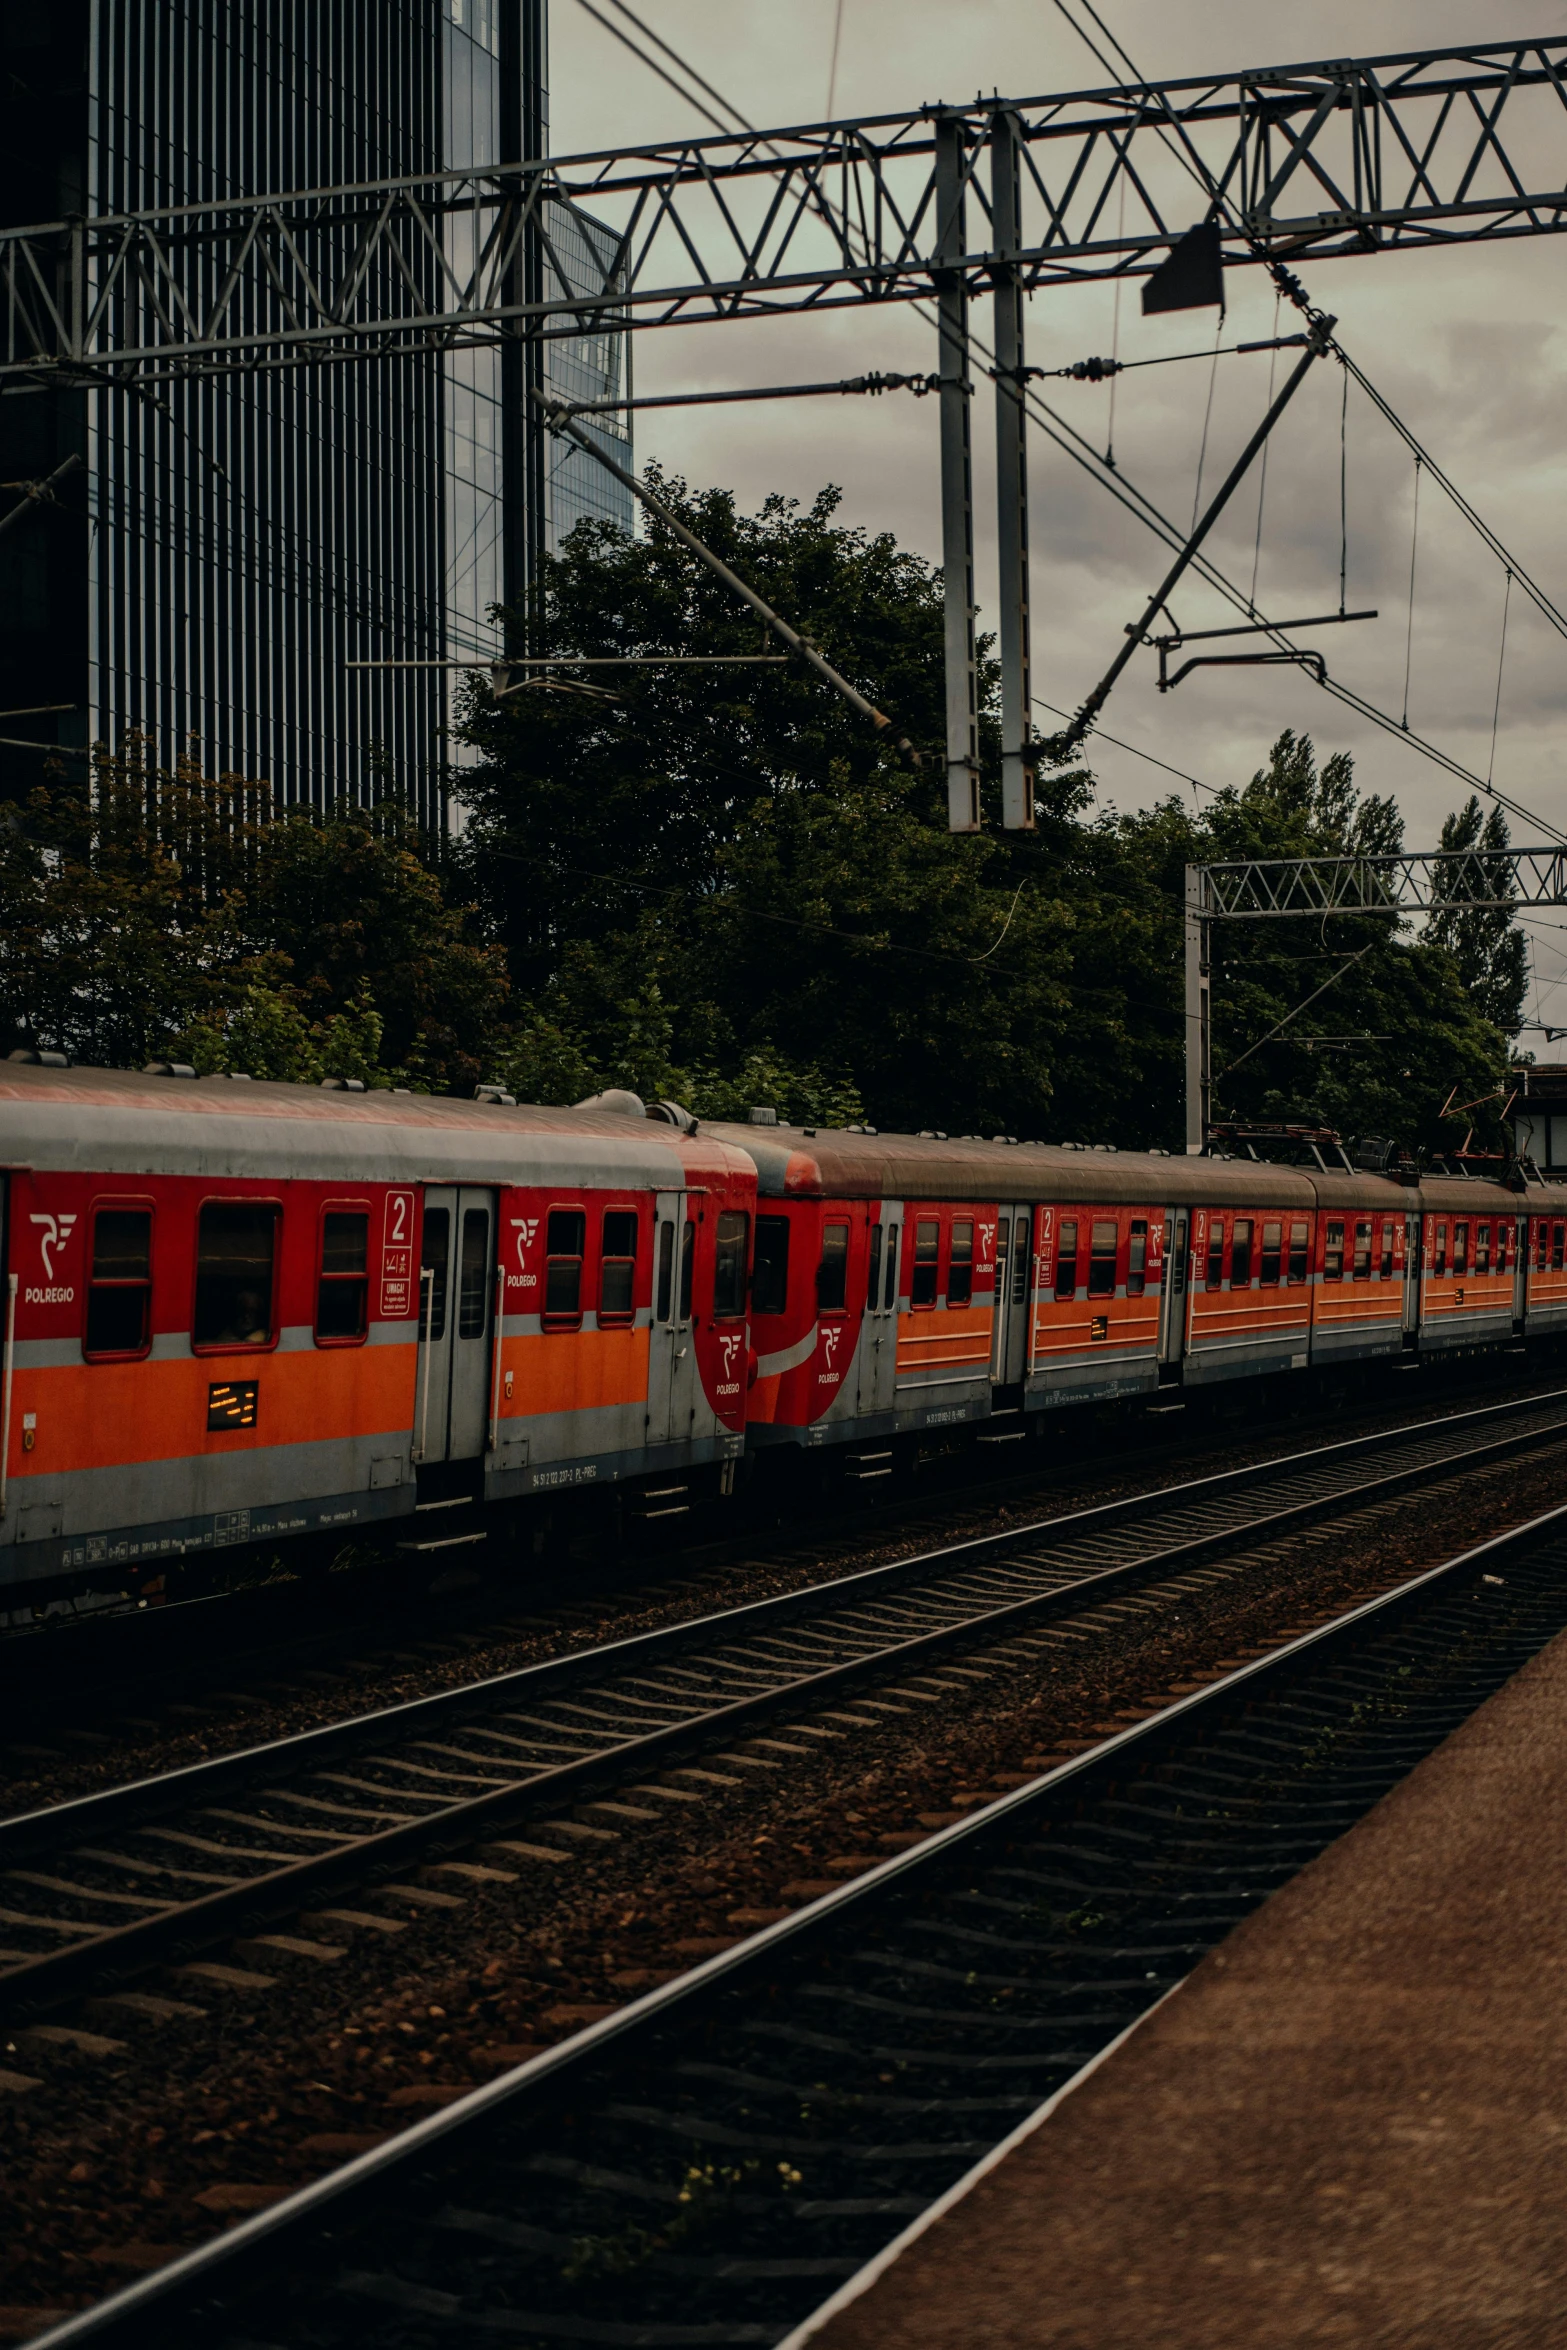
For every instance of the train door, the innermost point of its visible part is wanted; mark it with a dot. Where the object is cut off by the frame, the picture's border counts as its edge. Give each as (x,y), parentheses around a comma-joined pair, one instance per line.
(1172,1303)
(673,1387)
(1014,1263)
(878,1350)
(1412,1248)
(456,1318)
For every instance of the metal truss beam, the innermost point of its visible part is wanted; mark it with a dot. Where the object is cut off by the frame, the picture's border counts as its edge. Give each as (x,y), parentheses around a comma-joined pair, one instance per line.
(1271,889)
(1346,156)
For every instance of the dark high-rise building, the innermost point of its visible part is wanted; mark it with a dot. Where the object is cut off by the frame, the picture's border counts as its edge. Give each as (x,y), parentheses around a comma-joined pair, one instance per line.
(228,545)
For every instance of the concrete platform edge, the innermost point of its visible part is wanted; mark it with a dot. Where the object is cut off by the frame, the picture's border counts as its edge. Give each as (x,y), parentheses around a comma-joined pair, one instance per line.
(875,2268)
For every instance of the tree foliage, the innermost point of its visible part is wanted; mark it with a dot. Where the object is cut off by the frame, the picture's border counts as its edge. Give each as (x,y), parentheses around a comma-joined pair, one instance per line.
(146,911)
(719,884)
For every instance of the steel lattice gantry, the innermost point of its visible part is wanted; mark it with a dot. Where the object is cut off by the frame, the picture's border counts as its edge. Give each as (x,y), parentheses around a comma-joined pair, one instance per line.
(1272,889)
(1000,198)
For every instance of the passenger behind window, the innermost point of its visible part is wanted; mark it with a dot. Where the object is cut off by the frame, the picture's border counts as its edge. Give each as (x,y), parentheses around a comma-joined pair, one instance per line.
(236,1246)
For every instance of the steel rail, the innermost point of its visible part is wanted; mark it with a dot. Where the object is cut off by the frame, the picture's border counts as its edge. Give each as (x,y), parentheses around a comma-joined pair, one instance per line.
(203,2287)
(102,1957)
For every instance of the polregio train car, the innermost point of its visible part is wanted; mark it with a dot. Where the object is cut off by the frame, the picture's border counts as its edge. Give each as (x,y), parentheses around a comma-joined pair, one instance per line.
(240,1311)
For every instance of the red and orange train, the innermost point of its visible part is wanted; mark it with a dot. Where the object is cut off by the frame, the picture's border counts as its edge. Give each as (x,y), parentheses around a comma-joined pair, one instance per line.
(237,1312)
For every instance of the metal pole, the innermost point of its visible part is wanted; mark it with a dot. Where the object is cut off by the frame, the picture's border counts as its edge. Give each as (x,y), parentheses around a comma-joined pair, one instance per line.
(957,480)
(1320,331)
(1199,1042)
(1017,771)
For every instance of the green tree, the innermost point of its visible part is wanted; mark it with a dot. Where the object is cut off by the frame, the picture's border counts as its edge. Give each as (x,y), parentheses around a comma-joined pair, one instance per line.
(1485,942)
(1396,1028)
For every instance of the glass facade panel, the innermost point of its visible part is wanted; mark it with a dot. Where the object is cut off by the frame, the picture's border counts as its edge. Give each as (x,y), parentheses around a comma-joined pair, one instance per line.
(231,544)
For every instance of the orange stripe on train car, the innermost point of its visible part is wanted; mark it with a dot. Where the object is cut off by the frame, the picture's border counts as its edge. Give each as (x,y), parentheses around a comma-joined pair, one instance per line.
(108,1415)
(572,1371)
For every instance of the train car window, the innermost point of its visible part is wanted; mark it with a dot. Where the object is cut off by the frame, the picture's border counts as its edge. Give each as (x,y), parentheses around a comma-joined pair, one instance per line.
(433,1263)
(1272,1254)
(1300,1250)
(1439,1253)
(1020,1256)
(343,1282)
(1240,1254)
(960,1263)
(1101,1262)
(1066,1262)
(1387,1247)
(770,1274)
(687,1268)
(473,1273)
(1333,1253)
(1137,1258)
(236,1250)
(564,1241)
(1482,1248)
(1542,1242)
(618,1265)
(666,1268)
(873,1270)
(889,1295)
(1363,1248)
(1213,1277)
(1501,1247)
(730,1250)
(927,1248)
(1460,1250)
(119,1294)
(832,1270)
(1557,1233)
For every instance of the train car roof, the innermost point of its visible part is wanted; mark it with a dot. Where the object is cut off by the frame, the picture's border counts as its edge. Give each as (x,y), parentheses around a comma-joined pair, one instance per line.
(837,1163)
(126,1122)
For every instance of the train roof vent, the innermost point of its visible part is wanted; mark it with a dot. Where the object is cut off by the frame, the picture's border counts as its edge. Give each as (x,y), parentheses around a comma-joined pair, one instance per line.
(662,1113)
(343,1084)
(758,1115)
(37,1060)
(620,1099)
(150,1068)
(495,1093)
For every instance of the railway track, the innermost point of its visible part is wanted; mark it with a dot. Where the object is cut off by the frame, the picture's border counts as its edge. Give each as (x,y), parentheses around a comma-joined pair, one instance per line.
(706,2165)
(95,1890)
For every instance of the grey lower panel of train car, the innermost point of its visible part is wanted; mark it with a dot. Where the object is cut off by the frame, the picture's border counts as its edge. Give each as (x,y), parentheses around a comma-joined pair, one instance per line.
(1090,1382)
(1206,1366)
(41,1548)
(1453,1330)
(509,1475)
(1357,1344)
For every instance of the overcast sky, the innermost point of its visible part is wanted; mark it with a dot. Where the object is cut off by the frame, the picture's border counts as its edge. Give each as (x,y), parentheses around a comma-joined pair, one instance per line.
(1469,346)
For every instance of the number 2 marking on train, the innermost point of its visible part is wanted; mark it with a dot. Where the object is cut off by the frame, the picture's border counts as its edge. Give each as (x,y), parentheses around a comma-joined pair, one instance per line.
(399,1218)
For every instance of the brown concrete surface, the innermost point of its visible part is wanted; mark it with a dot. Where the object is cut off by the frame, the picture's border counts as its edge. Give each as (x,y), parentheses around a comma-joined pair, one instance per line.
(1349,2126)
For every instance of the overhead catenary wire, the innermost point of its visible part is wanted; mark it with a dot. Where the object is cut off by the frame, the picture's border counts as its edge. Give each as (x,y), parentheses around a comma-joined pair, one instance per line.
(1409,633)
(1058,429)
(1501,656)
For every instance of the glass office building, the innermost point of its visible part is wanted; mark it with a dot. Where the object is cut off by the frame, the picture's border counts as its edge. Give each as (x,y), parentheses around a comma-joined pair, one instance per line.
(228,547)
